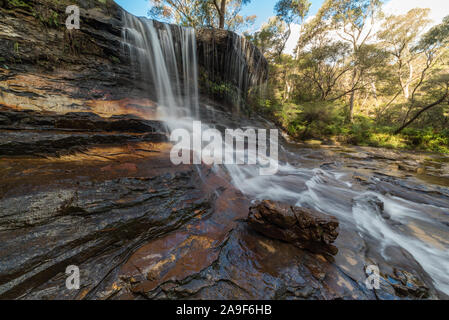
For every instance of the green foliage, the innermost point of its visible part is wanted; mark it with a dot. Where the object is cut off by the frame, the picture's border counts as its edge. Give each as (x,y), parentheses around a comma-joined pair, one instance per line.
(115,59)
(355,12)
(326,120)
(47,17)
(202,13)
(18,4)
(428,139)
(351,84)
(221,90)
(437,36)
(292,11)
(310,119)
(45,12)
(271,38)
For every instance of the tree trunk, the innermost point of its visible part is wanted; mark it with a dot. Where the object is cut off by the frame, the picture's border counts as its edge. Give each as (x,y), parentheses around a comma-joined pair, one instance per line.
(284,40)
(374,89)
(222,14)
(288,90)
(352,98)
(409,81)
(351,107)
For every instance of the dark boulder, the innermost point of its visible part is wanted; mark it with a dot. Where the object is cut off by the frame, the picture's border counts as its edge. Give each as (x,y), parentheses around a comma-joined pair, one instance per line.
(305,228)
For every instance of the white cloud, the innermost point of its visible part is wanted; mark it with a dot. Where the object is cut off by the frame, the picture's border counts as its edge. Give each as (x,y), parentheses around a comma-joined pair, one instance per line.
(293,40)
(439,9)
(294,37)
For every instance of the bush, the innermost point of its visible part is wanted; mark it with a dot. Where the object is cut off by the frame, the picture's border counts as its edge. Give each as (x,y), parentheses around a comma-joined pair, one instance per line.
(324,120)
(428,139)
(311,120)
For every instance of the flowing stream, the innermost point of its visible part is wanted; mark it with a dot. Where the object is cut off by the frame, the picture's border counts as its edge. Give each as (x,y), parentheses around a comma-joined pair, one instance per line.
(166,56)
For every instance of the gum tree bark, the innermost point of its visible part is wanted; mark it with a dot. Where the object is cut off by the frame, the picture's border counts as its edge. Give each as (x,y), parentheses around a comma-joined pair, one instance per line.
(221,9)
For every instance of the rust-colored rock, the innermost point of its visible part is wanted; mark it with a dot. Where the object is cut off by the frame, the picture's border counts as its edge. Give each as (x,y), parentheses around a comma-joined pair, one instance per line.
(305,228)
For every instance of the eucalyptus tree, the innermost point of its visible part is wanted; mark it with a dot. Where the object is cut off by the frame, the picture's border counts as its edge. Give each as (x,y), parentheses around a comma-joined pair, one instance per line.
(323,66)
(290,11)
(399,35)
(228,12)
(269,39)
(352,21)
(431,88)
(223,14)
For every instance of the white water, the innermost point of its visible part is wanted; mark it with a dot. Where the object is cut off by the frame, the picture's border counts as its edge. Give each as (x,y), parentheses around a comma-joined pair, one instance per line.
(155,52)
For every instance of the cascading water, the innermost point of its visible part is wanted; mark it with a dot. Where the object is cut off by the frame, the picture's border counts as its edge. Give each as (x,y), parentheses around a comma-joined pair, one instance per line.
(240,68)
(154,49)
(165,56)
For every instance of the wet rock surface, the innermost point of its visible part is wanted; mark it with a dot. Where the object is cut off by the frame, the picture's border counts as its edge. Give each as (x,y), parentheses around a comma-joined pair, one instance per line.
(33,133)
(91,214)
(86,179)
(305,228)
(230,60)
(139,227)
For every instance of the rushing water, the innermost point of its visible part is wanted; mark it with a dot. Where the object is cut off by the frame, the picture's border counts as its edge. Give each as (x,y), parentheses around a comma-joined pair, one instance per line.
(155,53)
(166,56)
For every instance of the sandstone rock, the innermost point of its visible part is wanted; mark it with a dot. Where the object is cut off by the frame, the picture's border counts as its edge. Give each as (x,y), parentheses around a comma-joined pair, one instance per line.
(33,133)
(305,228)
(53,73)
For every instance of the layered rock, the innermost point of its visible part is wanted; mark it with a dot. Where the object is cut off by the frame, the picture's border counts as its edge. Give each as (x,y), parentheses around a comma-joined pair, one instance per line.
(86,179)
(37,134)
(93,212)
(44,66)
(305,228)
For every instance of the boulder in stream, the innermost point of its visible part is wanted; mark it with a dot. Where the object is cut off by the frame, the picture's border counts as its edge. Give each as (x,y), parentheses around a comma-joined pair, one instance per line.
(305,228)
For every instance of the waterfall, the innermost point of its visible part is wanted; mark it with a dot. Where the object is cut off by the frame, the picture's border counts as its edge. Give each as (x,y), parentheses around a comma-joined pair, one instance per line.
(159,54)
(165,57)
(232,60)
(238,68)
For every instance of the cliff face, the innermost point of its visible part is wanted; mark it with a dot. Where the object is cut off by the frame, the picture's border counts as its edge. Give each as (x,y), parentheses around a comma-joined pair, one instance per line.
(47,67)
(44,66)
(230,65)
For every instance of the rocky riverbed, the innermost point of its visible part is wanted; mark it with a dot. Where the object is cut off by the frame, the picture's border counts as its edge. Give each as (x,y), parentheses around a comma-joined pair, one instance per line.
(102,194)
(86,180)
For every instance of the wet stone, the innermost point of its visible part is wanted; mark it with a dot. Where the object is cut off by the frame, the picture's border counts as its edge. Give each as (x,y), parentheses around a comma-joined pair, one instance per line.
(305,228)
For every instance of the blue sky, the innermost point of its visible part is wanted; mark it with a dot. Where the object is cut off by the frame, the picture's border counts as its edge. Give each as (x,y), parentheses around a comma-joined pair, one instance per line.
(264,9)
